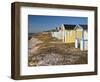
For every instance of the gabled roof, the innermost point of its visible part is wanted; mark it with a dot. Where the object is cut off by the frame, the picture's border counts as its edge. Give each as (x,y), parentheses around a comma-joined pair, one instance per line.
(72,26)
(85,27)
(69,26)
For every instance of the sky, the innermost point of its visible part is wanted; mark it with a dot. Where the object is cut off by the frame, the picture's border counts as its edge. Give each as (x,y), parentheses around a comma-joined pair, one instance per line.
(39,23)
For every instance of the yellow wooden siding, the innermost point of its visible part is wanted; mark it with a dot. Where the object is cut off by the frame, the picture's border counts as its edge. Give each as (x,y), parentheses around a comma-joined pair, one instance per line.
(70,36)
(79,34)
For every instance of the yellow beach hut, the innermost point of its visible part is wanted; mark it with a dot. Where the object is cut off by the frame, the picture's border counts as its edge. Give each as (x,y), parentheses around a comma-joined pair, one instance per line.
(77,34)
(68,33)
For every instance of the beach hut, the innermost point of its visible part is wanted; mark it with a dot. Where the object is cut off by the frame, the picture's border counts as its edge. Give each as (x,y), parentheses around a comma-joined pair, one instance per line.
(81,37)
(77,34)
(57,33)
(68,33)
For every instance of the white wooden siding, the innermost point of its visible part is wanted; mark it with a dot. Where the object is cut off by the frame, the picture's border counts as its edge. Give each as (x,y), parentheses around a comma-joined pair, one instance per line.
(58,35)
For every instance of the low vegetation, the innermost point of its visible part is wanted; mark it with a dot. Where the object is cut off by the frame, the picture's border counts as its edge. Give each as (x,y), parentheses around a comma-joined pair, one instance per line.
(51,51)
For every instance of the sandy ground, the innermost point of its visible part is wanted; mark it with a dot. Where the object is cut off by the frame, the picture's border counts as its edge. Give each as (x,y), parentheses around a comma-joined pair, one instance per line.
(43,50)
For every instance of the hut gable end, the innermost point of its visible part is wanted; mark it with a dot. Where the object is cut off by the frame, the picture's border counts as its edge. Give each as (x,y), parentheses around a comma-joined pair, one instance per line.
(80,27)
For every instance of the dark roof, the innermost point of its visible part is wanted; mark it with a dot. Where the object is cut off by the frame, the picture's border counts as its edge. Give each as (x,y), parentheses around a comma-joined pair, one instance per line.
(85,27)
(71,27)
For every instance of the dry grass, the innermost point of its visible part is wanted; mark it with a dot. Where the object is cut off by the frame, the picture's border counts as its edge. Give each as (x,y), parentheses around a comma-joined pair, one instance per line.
(49,53)
(46,37)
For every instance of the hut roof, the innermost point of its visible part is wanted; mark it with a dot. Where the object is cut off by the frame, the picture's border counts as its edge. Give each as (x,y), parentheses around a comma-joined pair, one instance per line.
(72,26)
(85,27)
(69,26)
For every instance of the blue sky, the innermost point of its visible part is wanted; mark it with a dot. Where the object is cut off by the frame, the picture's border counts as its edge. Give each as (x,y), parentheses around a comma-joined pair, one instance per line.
(38,23)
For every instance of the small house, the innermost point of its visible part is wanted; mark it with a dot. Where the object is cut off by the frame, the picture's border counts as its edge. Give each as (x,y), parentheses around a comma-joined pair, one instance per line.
(81,37)
(57,33)
(70,33)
